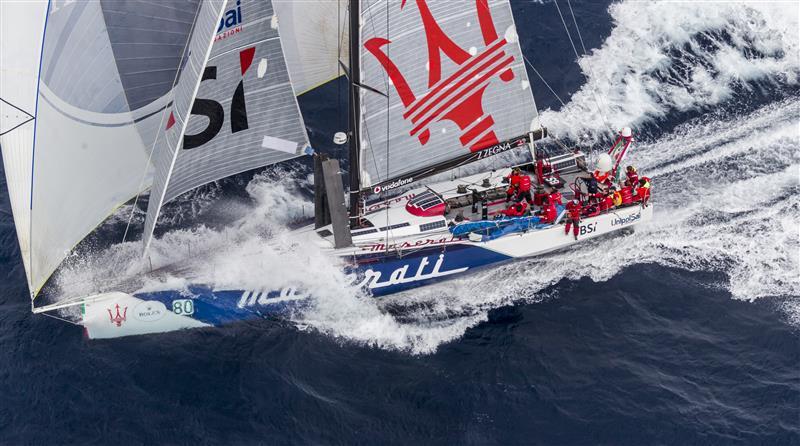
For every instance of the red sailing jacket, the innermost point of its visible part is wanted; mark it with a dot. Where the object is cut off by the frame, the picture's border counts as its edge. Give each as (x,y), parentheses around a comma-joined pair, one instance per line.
(513,183)
(524,183)
(516,209)
(574,210)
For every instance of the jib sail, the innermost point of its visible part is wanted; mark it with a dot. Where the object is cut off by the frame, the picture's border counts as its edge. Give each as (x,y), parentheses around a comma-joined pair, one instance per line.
(95,76)
(244,113)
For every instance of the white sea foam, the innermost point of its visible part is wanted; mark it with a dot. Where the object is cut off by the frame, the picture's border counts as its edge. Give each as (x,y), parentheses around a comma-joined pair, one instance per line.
(663,56)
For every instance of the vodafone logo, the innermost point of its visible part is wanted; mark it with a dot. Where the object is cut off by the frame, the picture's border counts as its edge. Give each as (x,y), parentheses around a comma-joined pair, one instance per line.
(394,184)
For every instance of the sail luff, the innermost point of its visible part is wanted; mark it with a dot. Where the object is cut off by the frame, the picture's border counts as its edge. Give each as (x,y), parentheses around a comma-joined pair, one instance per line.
(154,207)
(19,73)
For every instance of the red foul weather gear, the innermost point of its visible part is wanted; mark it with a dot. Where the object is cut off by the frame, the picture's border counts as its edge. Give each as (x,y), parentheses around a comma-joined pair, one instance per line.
(573,218)
(513,185)
(556,198)
(516,209)
(549,213)
(607,202)
(632,179)
(643,192)
(524,183)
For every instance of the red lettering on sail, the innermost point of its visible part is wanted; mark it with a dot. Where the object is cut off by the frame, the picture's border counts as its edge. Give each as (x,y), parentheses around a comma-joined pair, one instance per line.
(459,97)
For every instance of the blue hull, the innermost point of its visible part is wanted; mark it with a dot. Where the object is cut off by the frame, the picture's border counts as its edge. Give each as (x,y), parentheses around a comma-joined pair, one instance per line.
(379,273)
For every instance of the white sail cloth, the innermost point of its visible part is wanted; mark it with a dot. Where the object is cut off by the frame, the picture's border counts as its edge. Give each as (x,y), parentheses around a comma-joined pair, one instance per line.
(103,71)
(315,39)
(455,80)
(22,24)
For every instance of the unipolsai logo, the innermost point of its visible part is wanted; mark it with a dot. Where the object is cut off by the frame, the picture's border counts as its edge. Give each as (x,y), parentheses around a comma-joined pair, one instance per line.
(459,97)
(620,221)
(230,23)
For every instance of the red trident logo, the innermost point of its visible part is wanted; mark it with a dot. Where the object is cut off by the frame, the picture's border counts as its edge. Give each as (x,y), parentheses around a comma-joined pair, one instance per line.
(459,97)
(119,318)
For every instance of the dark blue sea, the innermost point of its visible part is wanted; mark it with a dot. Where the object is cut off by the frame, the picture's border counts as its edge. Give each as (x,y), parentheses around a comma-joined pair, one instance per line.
(685,332)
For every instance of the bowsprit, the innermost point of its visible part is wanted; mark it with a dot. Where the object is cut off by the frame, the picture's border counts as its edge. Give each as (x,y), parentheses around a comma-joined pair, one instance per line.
(459,97)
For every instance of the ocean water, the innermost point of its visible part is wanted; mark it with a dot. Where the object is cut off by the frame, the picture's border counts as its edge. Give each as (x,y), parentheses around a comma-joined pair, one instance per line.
(685,332)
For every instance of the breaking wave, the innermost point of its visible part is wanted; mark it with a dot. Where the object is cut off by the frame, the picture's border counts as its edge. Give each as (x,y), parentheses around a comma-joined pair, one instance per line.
(666,57)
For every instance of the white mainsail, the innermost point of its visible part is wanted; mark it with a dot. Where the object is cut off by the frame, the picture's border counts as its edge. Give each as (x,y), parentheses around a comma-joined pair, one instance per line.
(455,80)
(245,114)
(315,39)
(103,71)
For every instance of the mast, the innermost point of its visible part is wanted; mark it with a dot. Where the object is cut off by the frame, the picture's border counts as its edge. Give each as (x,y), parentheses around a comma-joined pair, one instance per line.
(354,106)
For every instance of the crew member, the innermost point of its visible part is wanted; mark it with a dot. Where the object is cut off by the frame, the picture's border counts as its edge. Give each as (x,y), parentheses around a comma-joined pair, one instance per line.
(617,195)
(549,211)
(643,192)
(513,183)
(608,201)
(574,209)
(555,197)
(517,209)
(632,177)
(524,189)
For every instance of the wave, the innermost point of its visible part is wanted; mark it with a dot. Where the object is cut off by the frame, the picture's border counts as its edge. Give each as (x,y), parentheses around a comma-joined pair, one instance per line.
(665,57)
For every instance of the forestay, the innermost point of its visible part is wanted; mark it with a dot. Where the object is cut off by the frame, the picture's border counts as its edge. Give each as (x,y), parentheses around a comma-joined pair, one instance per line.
(245,112)
(455,80)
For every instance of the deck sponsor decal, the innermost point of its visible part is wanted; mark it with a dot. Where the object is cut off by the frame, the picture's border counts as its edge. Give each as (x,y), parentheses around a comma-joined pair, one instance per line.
(620,221)
(149,311)
(118,318)
(251,298)
(385,204)
(375,247)
(588,228)
(378,279)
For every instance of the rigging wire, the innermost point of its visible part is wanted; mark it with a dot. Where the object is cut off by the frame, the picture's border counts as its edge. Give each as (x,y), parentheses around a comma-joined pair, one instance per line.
(543,80)
(61,319)
(160,125)
(388,111)
(575,50)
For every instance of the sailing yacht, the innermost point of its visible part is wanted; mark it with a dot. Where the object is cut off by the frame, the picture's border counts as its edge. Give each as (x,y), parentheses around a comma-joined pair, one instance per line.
(150,98)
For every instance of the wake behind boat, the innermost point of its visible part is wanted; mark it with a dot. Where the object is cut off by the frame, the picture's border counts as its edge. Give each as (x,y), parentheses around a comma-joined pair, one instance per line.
(231,107)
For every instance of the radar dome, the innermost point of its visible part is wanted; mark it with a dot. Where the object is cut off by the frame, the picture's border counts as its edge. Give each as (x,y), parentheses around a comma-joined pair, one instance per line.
(604,163)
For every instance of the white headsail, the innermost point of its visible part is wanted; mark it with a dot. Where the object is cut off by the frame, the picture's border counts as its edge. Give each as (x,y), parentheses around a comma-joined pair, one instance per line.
(315,39)
(245,114)
(103,71)
(455,80)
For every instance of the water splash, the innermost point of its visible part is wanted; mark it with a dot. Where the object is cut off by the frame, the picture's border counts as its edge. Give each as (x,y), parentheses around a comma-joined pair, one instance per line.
(667,57)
